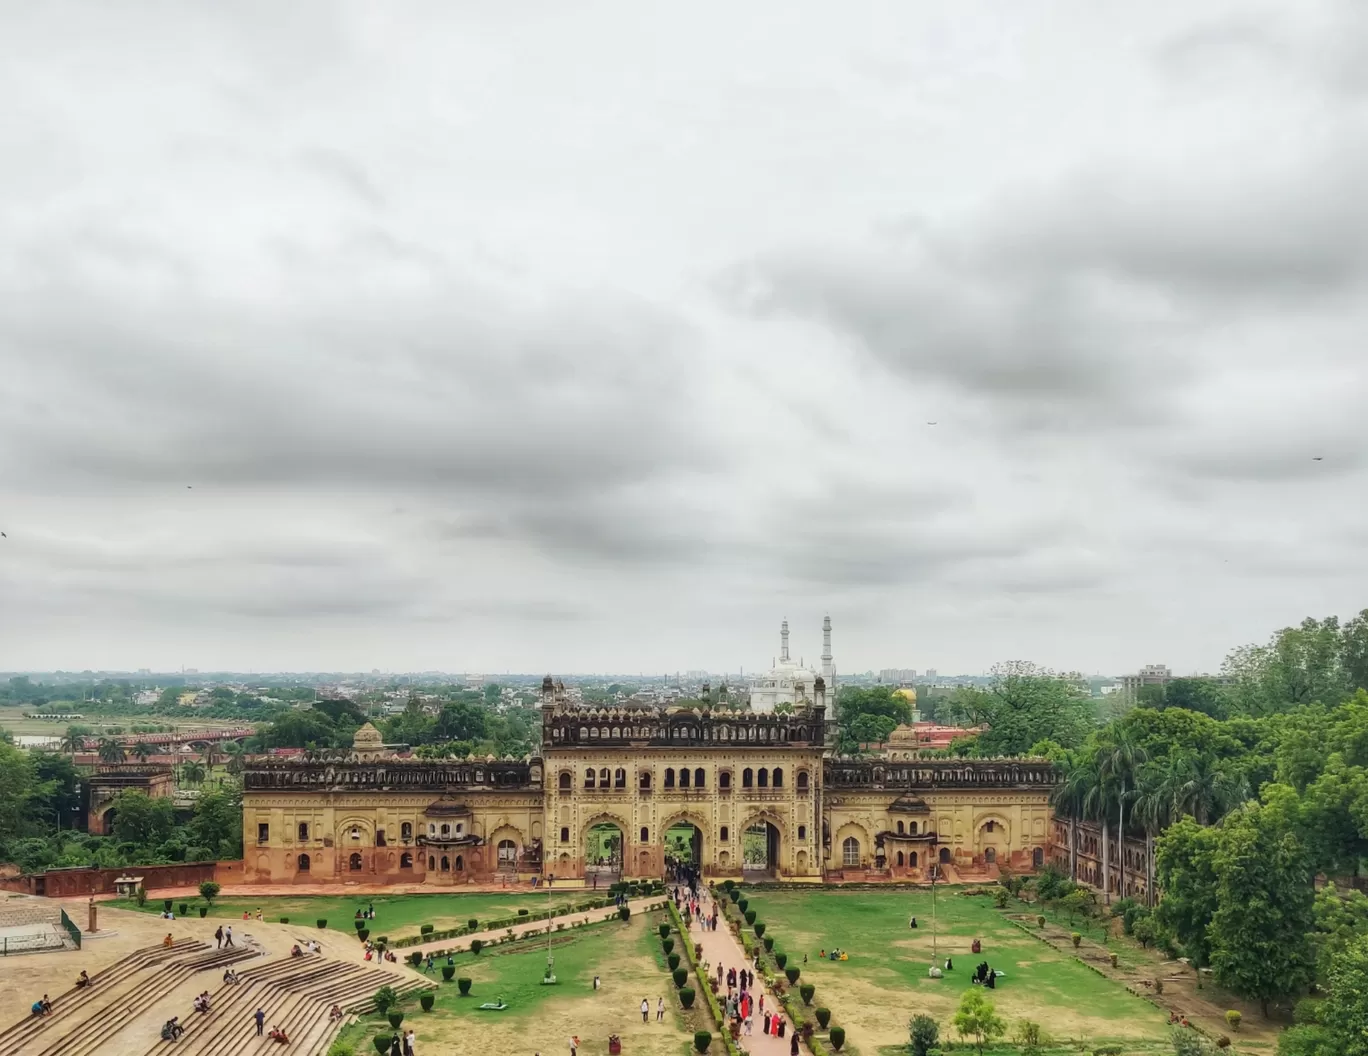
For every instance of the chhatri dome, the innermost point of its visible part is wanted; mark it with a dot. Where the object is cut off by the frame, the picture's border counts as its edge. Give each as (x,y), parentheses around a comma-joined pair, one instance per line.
(368,739)
(790,682)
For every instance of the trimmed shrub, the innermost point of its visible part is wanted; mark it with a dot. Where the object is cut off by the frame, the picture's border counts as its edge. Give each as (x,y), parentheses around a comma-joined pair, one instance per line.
(363,934)
(792,974)
(624,913)
(395,1018)
(522,912)
(463,984)
(1000,897)
(415,959)
(759,929)
(1223,1042)
(385,998)
(837,1037)
(472,923)
(167,904)
(781,959)
(1107,1050)
(702,1039)
(664,930)
(1075,938)
(673,961)
(322,922)
(359,923)
(448,970)
(1306,1011)
(476,945)
(1233,1017)
(806,991)
(686,996)
(426,999)
(382,1044)
(823,1016)
(742,904)
(284,920)
(667,945)
(341,1048)
(769,943)
(383,940)
(184,908)
(680,977)
(750,916)
(204,911)
(1040,922)
(735,896)
(426,929)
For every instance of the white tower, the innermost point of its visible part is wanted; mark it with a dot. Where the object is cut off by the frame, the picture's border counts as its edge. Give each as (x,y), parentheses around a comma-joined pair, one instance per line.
(783,643)
(828,668)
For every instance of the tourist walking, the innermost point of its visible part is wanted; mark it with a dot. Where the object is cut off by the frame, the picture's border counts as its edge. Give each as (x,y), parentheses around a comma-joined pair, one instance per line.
(645,1009)
(228,936)
(260,1018)
(218,937)
(660,1009)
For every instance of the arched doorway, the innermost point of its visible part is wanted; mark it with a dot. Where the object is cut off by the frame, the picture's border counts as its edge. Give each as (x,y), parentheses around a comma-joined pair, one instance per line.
(603,847)
(683,848)
(760,849)
(507,856)
(1038,857)
(945,855)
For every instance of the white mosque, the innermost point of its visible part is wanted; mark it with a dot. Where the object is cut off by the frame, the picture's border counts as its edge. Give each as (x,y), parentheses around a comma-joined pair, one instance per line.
(789,682)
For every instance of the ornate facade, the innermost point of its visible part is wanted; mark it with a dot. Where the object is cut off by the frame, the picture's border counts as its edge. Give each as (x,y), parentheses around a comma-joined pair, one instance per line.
(373,815)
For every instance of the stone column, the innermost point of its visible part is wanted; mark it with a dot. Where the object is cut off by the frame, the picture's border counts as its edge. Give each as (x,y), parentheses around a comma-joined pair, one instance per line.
(92,926)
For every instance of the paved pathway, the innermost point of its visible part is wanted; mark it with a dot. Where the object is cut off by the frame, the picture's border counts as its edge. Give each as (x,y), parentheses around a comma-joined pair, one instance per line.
(721,947)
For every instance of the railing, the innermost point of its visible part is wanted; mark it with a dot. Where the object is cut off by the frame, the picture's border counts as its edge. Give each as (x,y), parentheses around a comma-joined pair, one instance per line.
(72,929)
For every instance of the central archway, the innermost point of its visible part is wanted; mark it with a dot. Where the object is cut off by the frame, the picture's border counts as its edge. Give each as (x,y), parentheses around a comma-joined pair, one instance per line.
(684,855)
(761,849)
(603,846)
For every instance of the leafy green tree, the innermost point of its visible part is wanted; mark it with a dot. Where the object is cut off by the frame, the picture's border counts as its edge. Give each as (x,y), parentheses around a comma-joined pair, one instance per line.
(74,739)
(193,772)
(923,1033)
(1263,912)
(110,751)
(460,721)
(1344,1013)
(19,792)
(1341,921)
(977,1018)
(209,891)
(141,820)
(1022,705)
(142,751)
(1185,869)
(217,823)
(1297,666)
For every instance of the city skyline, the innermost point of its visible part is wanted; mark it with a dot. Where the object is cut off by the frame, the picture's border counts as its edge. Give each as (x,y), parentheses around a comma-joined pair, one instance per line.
(550,347)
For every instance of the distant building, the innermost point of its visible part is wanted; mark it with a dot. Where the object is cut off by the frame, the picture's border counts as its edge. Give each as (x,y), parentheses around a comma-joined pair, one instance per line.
(1159,675)
(790,682)
(930,672)
(892,676)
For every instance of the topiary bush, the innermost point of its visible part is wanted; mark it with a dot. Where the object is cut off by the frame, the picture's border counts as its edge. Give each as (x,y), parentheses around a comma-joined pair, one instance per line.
(1223,1042)
(522,912)
(395,1018)
(415,959)
(769,943)
(167,904)
(1040,922)
(381,1043)
(1107,1050)
(624,913)
(667,945)
(359,923)
(742,904)
(664,929)
(1075,938)
(472,923)
(806,991)
(759,929)
(837,1036)
(792,974)
(426,929)
(823,1016)
(680,977)
(463,984)
(363,934)
(322,922)
(1233,1017)
(686,996)
(673,961)
(426,999)
(448,970)
(702,1039)
(284,920)
(184,908)
(735,896)
(204,911)
(476,945)
(750,916)
(781,959)
(383,940)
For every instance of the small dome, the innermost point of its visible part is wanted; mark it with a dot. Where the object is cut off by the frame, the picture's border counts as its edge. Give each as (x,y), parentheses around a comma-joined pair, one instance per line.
(368,737)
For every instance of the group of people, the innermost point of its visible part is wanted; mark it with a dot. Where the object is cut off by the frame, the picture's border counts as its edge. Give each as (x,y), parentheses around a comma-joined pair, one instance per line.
(171,1029)
(402,1044)
(43,1007)
(375,953)
(202,1002)
(366,914)
(743,1002)
(275,1033)
(834,955)
(689,906)
(223,937)
(646,1007)
(985,976)
(230,977)
(298,951)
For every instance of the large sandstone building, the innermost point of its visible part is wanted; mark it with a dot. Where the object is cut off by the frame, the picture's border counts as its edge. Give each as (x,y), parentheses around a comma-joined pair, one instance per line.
(749,790)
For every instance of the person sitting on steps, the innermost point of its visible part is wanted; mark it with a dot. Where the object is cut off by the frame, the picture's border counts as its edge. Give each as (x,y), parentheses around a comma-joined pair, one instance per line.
(278,1036)
(82,980)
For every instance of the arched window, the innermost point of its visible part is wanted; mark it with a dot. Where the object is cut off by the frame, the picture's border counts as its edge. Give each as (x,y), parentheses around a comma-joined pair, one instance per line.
(619,778)
(589,778)
(355,863)
(683,777)
(988,826)
(850,851)
(303,832)
(645,834)
(989,855)
(669,777)
(747,778)
(605,778)
(900,858)
(802,780)
(1038,857)
(432,828)
(460,863)
(912,860)
(724,780)
(508,854)
(945,855)
(645,783)
(406,831)
(900,828)
(446,830)
(303,863)
(406,861)
(446,864)
(802,833)
(432,863)
(762,778)
(565,834)
(700,777)
(778,778)
(565,780)
(355,833)
(722,834)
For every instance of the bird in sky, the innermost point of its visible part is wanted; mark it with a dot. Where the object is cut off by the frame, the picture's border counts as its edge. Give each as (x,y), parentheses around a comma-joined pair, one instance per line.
(1317,458)
(930,423)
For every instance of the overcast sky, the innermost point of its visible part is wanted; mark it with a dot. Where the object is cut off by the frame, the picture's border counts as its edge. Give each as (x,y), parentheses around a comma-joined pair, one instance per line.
(592,336)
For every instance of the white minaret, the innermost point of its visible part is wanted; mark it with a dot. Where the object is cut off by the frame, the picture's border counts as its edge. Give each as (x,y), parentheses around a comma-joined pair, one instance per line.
(783,643)
(828,668)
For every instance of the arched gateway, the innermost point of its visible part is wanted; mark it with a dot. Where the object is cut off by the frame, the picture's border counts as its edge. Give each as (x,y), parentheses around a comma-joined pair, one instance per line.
(636,792)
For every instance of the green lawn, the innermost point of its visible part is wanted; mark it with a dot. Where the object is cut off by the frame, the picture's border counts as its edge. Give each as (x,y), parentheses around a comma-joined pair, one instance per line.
(627,959)
(885,981)
(396,916)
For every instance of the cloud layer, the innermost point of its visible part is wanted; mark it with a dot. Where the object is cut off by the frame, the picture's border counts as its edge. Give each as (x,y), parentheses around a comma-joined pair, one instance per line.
(605,341)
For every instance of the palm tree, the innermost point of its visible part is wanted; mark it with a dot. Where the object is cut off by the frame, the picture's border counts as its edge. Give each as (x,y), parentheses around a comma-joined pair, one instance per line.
(1069,798)
(142,750)
(192,772)
(213,752)
(1200,786)
(1153,809)
(74,739)
(1118,763)
(110,751)
(233,750)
